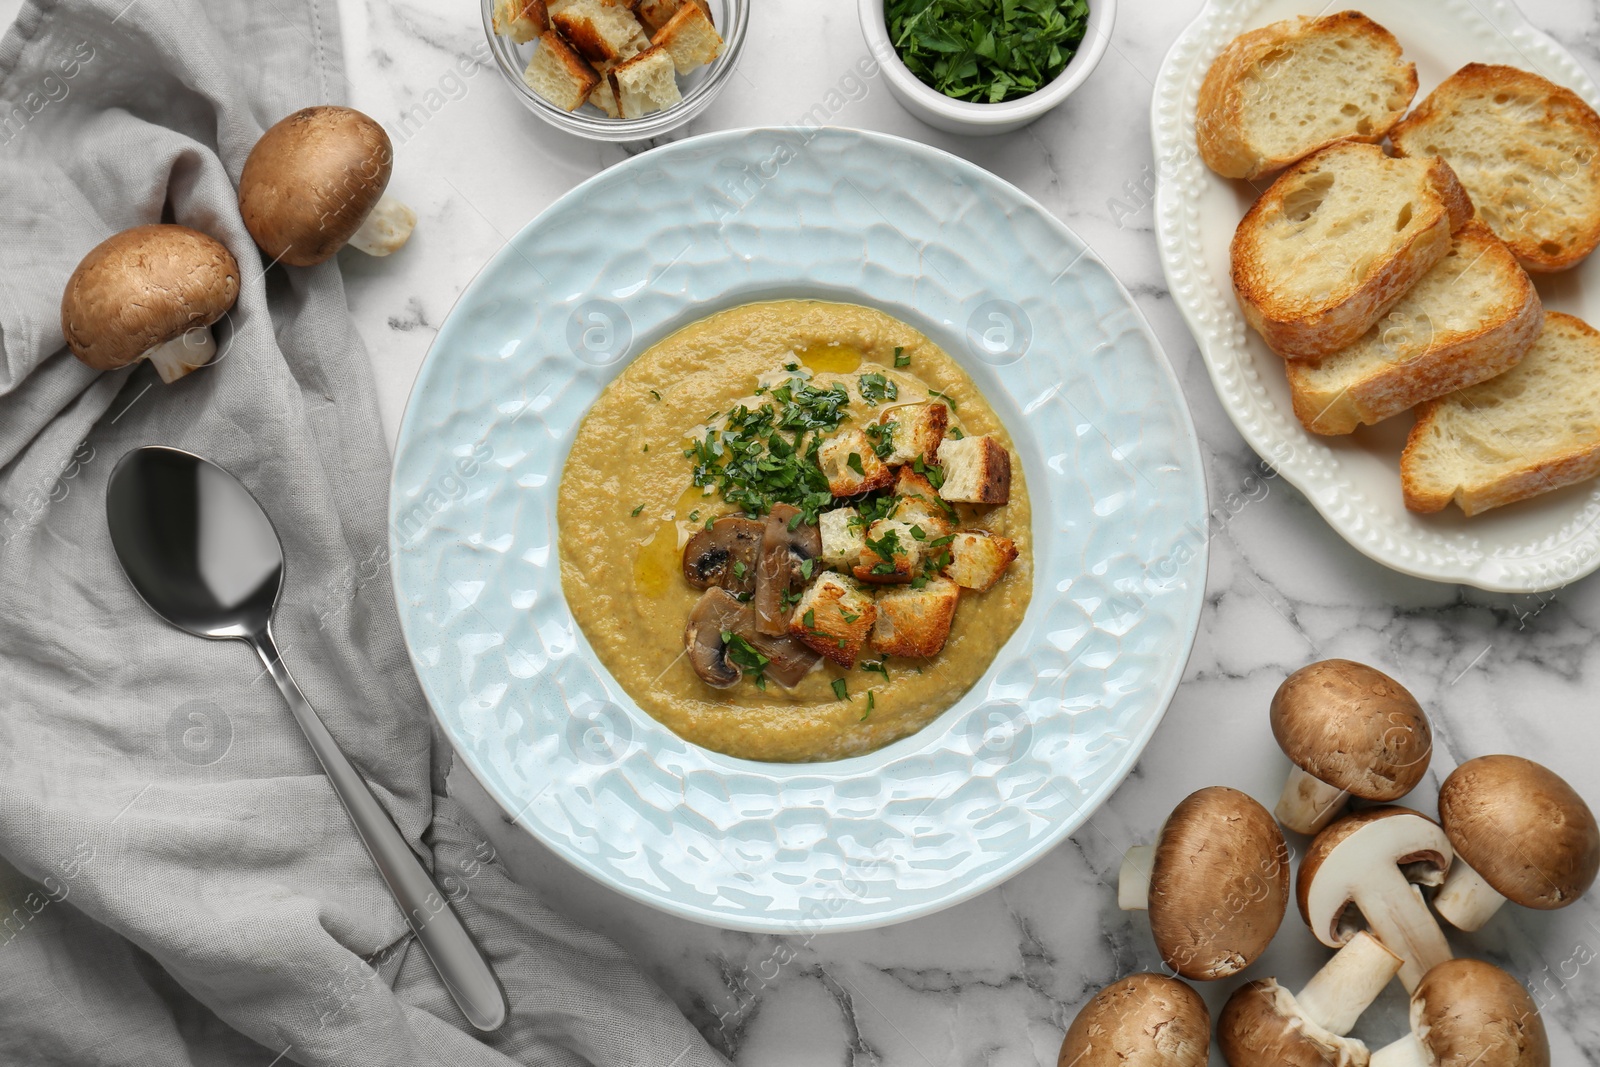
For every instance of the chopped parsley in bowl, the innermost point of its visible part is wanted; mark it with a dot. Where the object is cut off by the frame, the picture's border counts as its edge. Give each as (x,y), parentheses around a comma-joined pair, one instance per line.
(986,51)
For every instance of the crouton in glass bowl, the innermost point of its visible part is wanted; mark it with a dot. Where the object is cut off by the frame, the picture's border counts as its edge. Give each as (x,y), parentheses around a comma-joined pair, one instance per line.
(616,72)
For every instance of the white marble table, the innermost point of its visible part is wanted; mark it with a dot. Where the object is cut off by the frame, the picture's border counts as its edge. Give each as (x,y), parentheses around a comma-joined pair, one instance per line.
(997,979)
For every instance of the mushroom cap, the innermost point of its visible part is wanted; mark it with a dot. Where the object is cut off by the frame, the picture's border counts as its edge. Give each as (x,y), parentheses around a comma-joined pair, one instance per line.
(724,554)
(1354,728)
(1523,828)
(311,181)
(1262,1024)
(1468,1013)
(1143,1020)
(142,287)
(1425,855)
(1219,884)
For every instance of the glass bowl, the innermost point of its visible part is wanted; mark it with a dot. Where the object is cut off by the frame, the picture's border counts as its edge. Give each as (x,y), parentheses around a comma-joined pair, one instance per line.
(699,87)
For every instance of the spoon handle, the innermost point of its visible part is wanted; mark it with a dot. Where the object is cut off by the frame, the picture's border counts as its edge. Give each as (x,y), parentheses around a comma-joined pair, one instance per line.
(460,963)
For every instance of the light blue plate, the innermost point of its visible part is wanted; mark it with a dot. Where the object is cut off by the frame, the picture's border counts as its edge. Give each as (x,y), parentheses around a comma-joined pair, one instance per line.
(1017,763)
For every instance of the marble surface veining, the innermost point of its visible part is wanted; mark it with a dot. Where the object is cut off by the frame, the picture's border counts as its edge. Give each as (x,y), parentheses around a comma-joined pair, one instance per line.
(996,980)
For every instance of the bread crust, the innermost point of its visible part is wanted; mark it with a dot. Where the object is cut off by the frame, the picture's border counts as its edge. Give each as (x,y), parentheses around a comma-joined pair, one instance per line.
(1561,106)
(1301,329)
(1220,132)
(1542,476)
(1466,358)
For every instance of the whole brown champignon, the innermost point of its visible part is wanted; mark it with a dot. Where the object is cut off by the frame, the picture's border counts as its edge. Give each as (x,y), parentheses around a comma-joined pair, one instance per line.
(1350,730)
(1264,1025)
(1520,832)
(315,182)
(724,555)
(151,292)
(1367,866)
(1143,1020)
(1215,883)
(1467,1013)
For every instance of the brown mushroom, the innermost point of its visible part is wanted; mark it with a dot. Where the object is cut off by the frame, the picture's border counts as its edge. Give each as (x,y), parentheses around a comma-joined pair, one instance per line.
(787,543)
(724,555)
(1350,730)
(1215,883)
(315,182)
(1264,1025)
(1520,832)
(1144,1020)
(151,292)
(719,612)
(1367,867)
(1467,1013)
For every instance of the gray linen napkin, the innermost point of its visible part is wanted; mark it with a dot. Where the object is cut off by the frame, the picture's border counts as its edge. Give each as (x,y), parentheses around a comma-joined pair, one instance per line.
(182,886)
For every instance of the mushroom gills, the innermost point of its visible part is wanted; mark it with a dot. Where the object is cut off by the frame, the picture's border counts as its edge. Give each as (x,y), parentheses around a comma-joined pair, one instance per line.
(1467,900)
(187,352)
(1307,804)
(386,228)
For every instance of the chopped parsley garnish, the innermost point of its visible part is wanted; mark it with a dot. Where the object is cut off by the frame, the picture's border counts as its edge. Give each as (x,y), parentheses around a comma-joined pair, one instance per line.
(934,475)
(809,619)
(647,448)
(742,654)
(636,511)
(654,395)
(875,389)
(877,667)
(900,357)
(870,703)
(887,547)
(919,533)
(882,438)
(955,433)
(840,690)
(848,617)
(791,367)
(767,455)
(739,569)
(986,51)
(806,567)
(854,463)
(943,396)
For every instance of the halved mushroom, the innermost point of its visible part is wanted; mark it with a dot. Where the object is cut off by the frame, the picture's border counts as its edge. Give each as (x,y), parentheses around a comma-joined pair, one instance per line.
(1367,866)
(1143,1020)
(151,292)
(725,555)
(1216,883)
(1350,730)
(786,543)
(718,613)
(1264,1025)
(315,182)
(1467,1013)
(1520,832)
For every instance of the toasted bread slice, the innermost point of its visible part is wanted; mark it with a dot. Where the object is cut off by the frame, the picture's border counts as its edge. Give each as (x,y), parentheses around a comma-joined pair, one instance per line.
(891,553)
(834,618)
(602,31)
(851,466)
(1533,429)
(1337,240)
(978,559)
(915,431)
(520,20)
(977,470)
(1277,94)
(656,13)
(843,537)
(645,84)
(689,38)
(1525,149)
(1470,318)
(558,73)
(915,622)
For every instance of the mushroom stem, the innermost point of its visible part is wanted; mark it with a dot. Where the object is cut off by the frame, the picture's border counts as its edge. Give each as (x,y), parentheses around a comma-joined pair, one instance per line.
(186,352)
(1348,984)
(1466,901)
(1406,1052)
(386,228)
(1308,804)
(1133,881)
(1397,914)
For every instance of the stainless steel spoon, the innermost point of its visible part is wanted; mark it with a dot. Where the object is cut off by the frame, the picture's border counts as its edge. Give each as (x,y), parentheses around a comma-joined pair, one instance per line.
(203,554)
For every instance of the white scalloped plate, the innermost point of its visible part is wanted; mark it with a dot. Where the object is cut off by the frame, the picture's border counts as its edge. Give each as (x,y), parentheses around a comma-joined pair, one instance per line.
(1019,761)
(1354,481)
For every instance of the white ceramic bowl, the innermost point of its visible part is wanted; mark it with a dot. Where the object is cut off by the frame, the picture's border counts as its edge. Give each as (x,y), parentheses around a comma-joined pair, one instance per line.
(982,120)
